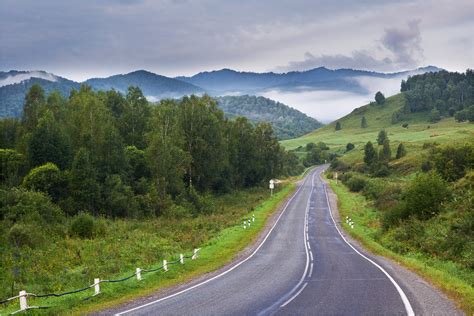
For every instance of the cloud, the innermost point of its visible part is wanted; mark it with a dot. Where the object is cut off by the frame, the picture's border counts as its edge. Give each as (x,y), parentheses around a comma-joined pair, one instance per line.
(24,76)
(400,47)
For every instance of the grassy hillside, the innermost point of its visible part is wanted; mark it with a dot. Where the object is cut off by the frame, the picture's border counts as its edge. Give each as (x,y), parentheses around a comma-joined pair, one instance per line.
(418,132)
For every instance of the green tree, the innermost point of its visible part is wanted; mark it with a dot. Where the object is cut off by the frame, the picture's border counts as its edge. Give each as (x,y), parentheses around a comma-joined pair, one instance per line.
(133,121)
(379,98)
(13,167)
(363,122)
(401,151)
(48,143)
(385,153)
(435,116)
(84,189)
(338,126)
(34,99)
(382,136)
(46,178)
(370,154)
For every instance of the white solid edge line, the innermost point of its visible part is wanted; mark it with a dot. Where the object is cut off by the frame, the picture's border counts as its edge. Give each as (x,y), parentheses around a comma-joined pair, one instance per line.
(310,271)
(402,294)
(224,272)
(294,296)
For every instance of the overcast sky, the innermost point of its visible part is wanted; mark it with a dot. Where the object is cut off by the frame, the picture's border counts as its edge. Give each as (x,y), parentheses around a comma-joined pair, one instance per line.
(81,38)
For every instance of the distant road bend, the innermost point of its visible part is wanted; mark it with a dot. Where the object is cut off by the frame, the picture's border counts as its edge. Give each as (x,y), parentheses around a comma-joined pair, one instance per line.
(304,266)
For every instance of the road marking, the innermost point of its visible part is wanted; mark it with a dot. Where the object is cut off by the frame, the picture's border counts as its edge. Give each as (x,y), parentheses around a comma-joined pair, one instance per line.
(277,303)
(226,271)
(402,294)
(294,296)
(311,255)
(310,271)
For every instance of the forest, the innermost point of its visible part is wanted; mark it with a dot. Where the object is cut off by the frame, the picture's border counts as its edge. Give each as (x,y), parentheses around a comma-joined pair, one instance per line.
(104,153)
(443,93)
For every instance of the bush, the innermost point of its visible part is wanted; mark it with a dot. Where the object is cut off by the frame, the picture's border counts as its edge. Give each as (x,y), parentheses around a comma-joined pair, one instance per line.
(350,146)
(82,226)
(46,178)
(337,165)
(21,235)
(373,189)
(356,183)
(452,162)
(425,195)
(388,198)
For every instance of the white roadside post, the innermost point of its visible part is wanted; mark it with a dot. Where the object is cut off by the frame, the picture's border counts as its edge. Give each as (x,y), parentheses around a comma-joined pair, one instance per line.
(139,274)
(96,286)
(181,258)
(253,217)
(335,177)
(272,186)
(195,254)
(23,303)
(165,265)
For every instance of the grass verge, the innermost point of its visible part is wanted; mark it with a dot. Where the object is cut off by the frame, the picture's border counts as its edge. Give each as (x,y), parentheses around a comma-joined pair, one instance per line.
(215,253)
(446,276)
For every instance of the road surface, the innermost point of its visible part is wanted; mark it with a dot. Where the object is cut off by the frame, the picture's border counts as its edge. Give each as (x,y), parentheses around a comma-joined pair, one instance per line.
(303,267)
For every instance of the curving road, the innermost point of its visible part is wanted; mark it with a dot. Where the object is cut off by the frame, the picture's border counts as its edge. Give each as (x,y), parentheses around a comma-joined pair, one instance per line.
(304,266)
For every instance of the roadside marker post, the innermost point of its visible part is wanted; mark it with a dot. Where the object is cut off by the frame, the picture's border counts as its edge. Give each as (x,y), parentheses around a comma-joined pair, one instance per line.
(272,186)
(165,265)
(195,254)
(139,274)
(23,302)
(181,258)
(96,286)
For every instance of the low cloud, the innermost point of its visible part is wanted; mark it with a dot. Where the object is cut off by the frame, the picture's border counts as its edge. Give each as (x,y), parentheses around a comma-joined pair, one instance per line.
(400,47)
(25,76)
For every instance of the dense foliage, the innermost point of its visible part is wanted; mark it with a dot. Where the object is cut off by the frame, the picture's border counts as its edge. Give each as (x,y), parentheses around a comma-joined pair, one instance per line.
(443,93)
(286,121)
(107,154)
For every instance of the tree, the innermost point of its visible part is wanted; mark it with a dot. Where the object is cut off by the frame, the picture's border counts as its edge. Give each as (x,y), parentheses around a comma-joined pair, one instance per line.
(13,167)
(435,116)
(48,143)
(401,151)
(46,178)
(338,126)
(349,146)
(133,121)
(84,189)
(363,122)
(382,136)
(385,153)
(379,98)
(34,99)
(370,154)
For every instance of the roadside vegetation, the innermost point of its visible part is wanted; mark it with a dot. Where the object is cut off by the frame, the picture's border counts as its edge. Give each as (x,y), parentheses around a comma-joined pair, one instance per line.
(407,165)
(101,183)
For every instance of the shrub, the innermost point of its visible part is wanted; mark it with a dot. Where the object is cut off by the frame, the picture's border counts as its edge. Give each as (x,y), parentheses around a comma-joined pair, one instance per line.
(425,194)
(373,189)
(82,226)
(21,235)
(356,183)
(388,197)
(452,162)
(381,170)
(349,146)
(401,151)
(337,165)
(46,178)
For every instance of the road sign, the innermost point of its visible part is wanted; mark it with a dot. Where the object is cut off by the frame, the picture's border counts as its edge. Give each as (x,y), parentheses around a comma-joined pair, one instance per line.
(272,186)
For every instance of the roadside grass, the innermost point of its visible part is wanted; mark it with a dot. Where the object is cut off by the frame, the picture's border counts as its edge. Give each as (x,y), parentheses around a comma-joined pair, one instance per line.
(455,281)
(131,244)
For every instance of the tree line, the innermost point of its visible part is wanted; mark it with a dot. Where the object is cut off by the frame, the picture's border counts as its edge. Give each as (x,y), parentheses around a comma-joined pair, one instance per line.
(116,155)
(443,93)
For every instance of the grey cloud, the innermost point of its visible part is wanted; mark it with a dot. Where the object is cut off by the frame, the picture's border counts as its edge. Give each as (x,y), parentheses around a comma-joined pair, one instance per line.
(401,47)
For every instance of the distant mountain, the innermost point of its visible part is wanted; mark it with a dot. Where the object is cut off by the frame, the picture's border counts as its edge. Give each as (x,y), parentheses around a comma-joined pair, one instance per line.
(286,121)
(152,85)
(15,84)
(231,81)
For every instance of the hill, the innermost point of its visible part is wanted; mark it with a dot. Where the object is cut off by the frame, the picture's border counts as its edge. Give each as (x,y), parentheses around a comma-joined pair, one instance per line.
(419,129)
(286,121)
(152,85)
(228,80)
(15,84)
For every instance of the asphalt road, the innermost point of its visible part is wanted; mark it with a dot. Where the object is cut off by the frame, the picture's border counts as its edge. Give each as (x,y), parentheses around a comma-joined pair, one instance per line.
(303,267)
